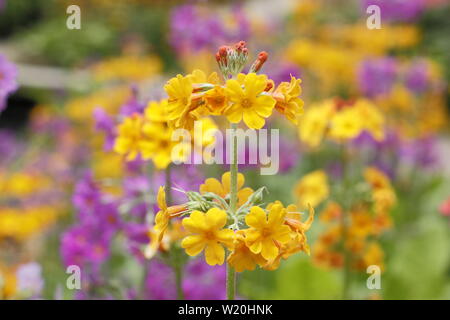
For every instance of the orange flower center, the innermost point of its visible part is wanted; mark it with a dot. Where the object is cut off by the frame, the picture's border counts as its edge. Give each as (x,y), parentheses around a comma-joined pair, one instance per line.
(246,103)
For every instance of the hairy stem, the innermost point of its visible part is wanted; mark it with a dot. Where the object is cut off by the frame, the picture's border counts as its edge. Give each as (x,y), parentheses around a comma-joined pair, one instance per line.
(231,273)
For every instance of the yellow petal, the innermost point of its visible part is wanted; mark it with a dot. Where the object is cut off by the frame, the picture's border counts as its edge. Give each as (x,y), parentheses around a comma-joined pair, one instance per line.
(256,218)
(195,223)
(193,245)
(216,218)
(252,119)
(269,250)
(214,254)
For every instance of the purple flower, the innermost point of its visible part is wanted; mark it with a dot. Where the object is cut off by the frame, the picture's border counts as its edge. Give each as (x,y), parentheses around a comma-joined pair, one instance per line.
(105,123)
(203,281)
(282,72)
(8,83)
(193,28)
(86,195)
(420,152)
(397,10)
(132,105)
(376,76)
(417,77)
(200,281)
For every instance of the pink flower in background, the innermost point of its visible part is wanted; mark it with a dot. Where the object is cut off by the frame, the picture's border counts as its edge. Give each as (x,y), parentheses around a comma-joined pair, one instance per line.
(445,208)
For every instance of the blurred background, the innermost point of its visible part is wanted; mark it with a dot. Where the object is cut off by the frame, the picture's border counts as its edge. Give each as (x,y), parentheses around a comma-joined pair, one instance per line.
(63,91)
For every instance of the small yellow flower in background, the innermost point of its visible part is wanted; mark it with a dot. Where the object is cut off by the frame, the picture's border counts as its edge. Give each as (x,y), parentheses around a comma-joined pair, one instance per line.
(127,68)
(383,193)
(312,189)
(208,234)
(287,99)
(249,103)
(314,123)
(374,256)
(129,137)
(345,124)
(266,231)
(222,189)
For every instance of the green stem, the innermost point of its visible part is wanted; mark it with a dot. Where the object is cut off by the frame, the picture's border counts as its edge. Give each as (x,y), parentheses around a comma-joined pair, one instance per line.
(344,224)
(177,263)
(178,269)
(231,273)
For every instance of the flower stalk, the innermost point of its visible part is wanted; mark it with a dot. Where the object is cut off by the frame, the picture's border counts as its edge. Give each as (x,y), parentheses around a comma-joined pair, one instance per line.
(231,273)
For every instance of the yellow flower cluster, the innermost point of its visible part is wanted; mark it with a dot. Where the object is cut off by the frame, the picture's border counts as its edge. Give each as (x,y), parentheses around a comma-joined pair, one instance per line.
(340,121)
(249,97)
(255,236)
(366,221)
(150,136)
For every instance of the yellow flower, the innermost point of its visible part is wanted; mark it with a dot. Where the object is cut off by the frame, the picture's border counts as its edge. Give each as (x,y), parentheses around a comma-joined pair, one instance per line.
(346,124)
(181,103)
(371,118)
(222,189)
(208,234)
(157,111)
(314,123)
(312,189)
(383,194)
(163,216)
(241,257)
(266,232)
(249,103)
(158,145)
(374,255)
(129,137)
(298,241)
(288,101)
(216,100)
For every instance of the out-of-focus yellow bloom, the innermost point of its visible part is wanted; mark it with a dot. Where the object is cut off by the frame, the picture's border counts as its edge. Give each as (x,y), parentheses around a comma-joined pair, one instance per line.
(312,189)
(340,121)
(345,125)
(249,103)
(287,99)
(223,188)
(22,184)
(383,194)
(21,223)
(314,123)
(129,138)
(266,231)
(208,234)
(127,68)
